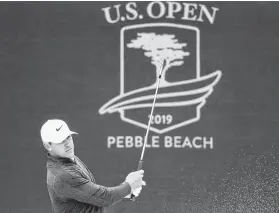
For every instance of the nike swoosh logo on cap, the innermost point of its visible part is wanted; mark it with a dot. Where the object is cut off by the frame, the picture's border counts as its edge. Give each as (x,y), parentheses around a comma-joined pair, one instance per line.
(57,129)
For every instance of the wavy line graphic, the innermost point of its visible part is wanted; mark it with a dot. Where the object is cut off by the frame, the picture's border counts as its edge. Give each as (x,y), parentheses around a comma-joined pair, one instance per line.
(174,94)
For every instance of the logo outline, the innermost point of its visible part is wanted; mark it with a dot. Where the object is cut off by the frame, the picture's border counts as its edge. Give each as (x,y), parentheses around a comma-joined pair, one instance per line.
(201,101)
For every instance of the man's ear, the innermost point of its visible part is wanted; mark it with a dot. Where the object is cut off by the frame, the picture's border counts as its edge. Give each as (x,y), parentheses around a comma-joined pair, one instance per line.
(47,146)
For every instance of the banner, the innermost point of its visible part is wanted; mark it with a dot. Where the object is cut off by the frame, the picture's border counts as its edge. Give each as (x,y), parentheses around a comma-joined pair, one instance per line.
(213,139)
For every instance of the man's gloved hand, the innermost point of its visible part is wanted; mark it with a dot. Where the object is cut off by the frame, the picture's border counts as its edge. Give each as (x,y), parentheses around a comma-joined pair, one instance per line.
(137,191)
(135,179)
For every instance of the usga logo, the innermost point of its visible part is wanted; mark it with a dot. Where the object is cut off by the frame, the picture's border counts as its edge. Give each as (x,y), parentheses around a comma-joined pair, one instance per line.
(182,92)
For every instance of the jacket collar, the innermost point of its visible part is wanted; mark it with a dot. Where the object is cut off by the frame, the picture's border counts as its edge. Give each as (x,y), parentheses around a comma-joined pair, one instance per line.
(51,159)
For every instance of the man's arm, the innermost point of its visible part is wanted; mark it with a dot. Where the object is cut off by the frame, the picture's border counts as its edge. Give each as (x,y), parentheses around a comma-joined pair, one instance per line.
(74,186)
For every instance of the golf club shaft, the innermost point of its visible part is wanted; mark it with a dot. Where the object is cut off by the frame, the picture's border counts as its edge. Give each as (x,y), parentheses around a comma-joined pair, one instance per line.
(149,122)
(148,128)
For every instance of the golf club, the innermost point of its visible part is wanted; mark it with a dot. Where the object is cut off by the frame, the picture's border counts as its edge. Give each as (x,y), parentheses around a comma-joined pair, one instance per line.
(162,63)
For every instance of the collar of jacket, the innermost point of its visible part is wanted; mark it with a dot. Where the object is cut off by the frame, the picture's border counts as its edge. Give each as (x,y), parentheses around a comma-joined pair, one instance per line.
(52,159)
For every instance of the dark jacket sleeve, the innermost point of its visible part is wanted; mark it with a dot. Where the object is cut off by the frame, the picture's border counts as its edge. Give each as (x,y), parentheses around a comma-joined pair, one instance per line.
(72,185)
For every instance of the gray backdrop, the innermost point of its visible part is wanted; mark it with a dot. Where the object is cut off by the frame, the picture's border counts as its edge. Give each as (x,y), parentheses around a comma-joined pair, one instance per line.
(61,60)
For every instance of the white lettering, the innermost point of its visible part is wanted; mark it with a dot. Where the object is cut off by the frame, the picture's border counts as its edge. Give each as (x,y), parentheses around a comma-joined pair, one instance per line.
(110,141)
(173,7)
(210,17)
(138,141)
(194,142)
(177,141)
(187,142)
(162,10)
(168,141)
(108,14)
(189,10)
(129,142)
(156,10)
(210,142)
(119,142)
(155,141)
(131,8)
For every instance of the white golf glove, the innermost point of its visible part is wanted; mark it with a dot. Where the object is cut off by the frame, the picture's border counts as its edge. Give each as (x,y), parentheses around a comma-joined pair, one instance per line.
(137,191)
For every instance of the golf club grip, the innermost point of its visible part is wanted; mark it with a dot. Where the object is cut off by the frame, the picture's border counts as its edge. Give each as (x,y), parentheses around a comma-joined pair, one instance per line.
(133,197)
(140,165)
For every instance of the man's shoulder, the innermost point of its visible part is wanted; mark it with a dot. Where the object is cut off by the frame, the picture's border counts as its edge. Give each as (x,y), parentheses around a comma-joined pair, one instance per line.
(61,173)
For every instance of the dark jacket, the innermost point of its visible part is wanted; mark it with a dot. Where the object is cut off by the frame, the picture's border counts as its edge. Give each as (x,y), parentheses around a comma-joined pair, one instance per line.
(72,188)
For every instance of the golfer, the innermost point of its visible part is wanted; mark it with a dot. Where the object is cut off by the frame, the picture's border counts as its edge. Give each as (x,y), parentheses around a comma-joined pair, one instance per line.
(71,186)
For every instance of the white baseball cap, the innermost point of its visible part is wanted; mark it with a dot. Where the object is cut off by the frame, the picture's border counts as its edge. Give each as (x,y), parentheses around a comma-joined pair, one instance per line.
(55,131)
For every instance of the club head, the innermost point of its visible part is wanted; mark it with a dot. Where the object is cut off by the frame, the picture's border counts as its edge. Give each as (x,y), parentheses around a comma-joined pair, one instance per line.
(162,63)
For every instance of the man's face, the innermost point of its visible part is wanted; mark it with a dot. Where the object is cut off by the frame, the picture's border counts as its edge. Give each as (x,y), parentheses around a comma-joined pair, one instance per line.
(64,149)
